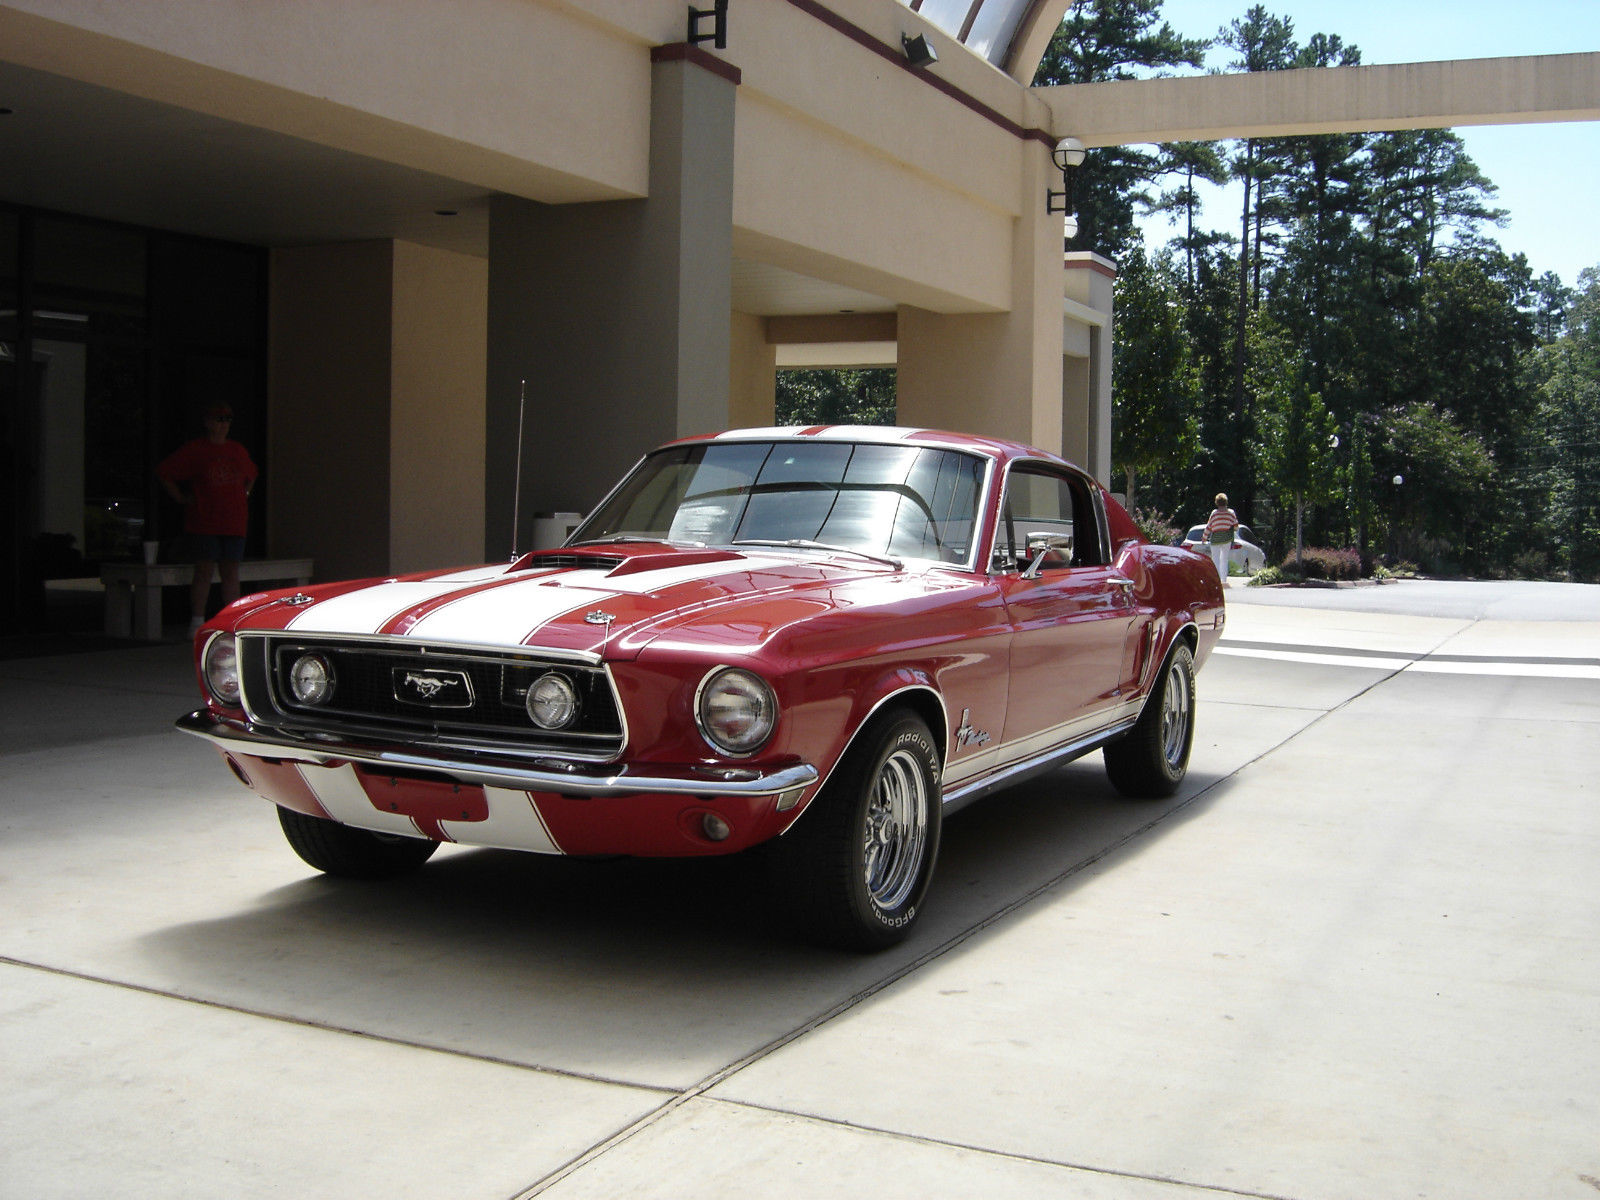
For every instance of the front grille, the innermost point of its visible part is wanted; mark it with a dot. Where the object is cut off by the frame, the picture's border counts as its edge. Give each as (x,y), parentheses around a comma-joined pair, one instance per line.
(390,688)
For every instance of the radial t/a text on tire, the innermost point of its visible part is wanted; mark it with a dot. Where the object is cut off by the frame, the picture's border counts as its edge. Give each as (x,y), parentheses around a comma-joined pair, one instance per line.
(858,863)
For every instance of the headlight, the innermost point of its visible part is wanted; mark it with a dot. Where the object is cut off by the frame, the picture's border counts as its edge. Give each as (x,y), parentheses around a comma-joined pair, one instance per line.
(736,711)
(311,679)
(552,701)
(221,667)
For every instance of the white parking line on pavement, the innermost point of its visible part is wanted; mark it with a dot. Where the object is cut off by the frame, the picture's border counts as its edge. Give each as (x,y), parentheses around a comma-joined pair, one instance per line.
(1433,666)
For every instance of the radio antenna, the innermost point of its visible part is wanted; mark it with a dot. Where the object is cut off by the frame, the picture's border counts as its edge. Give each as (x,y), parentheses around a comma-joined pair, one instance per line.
(516,489)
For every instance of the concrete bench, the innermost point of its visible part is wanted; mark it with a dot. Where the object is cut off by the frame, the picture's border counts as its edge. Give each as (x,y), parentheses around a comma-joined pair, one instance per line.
(133,590)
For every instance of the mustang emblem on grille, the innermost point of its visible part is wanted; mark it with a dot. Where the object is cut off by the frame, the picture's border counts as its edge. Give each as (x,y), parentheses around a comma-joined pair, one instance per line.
(434,687)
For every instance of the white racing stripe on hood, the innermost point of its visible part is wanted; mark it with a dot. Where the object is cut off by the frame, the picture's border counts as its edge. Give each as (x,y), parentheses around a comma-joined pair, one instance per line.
(503,616)
(510,614)
(657,580)
(371,608)
(499,615)
(473,574)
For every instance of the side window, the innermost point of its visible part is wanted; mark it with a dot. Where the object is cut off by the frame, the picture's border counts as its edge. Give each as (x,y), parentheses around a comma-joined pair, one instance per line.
(1055,511)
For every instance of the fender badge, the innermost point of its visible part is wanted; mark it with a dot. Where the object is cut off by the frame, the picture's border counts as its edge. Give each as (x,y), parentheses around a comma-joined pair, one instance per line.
(966,735)
(599,617)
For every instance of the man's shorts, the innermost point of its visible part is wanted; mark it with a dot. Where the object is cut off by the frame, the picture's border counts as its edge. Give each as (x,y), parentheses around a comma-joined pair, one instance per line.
(214,547)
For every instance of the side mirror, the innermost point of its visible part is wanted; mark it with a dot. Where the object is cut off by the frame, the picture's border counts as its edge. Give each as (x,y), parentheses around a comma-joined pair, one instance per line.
(1041,546)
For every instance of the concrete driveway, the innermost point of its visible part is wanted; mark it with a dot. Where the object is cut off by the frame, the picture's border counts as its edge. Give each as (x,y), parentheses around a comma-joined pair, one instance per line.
(1358,956)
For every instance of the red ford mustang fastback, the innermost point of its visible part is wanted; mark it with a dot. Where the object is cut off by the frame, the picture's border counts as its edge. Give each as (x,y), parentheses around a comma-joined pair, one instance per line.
(822,639)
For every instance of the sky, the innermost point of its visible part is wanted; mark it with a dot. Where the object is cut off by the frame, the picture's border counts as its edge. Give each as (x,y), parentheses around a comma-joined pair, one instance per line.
(1548,175)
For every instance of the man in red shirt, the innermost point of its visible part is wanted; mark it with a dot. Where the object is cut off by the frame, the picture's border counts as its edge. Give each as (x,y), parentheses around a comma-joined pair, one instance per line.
(211,477)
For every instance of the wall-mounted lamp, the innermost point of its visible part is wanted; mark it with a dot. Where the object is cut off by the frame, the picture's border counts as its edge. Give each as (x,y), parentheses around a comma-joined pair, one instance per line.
(717,14)
(919,50)
(1068,155)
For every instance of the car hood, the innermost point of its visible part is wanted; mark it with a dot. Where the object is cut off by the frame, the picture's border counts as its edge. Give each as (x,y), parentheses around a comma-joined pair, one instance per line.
(607,600)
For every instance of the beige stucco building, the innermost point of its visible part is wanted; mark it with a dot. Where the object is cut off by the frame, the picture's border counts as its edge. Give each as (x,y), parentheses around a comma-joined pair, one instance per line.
(446,219)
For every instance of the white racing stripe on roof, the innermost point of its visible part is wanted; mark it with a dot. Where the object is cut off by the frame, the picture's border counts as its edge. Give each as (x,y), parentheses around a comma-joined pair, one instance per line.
(833,433)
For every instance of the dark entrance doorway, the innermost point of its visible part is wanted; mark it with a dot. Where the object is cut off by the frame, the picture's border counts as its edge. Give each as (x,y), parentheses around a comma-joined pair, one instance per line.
(113,340)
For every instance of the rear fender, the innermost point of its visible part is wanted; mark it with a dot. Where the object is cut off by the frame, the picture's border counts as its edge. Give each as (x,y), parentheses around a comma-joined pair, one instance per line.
(1178,629)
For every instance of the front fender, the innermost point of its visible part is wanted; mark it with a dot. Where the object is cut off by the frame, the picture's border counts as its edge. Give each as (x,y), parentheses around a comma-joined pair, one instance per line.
(832,729)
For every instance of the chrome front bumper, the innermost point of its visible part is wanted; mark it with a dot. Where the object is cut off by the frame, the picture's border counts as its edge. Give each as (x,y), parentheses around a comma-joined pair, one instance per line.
(489,769)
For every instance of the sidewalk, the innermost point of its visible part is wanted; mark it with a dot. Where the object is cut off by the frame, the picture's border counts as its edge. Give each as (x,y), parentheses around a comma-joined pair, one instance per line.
(1358,956)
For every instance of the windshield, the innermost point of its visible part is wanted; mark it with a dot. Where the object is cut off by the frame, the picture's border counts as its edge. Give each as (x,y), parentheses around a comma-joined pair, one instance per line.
(900,501)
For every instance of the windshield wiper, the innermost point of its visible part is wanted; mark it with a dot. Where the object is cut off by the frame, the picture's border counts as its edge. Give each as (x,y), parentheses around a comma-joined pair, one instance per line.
(804,544)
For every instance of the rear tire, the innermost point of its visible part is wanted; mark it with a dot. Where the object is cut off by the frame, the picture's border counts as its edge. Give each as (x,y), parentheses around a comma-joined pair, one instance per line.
(352,853)
(1149,763)
(858,862)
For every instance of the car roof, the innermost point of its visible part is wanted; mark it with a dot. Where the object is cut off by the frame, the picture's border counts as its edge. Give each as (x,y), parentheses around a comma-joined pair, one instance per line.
(998,448)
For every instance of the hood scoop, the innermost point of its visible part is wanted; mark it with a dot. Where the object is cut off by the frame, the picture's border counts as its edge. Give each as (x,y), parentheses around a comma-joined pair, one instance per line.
(674,558)
(558,561)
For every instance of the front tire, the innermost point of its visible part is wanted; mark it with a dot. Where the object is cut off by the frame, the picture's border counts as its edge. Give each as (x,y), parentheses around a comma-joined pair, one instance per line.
(858,862)
(1151,760)
(352,853)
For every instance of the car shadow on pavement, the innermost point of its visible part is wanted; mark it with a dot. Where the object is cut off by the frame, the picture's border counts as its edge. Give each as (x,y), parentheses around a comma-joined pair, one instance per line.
(655,972)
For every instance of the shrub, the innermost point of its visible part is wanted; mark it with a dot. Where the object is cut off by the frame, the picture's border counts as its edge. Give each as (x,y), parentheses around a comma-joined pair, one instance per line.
(1320,562)
(1268,576)
(1531,564)
(1156,526)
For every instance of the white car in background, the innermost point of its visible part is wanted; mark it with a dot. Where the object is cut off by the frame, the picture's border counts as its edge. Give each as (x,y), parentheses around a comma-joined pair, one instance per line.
(1245,556)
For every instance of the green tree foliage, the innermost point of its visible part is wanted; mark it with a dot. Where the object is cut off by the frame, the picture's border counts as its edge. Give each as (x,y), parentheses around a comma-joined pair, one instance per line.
(1100,40)
(1190,163)
(1448,489)
(1353,320)
(836,397)
(1297,437)
(1262,42)
(1561,481)
(1155,410)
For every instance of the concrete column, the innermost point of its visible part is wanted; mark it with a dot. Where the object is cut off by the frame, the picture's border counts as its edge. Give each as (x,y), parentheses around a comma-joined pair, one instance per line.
(617,314)
(436,409)
(331,331)
(996,374)
(1086,371)
(753,395)
(377,407)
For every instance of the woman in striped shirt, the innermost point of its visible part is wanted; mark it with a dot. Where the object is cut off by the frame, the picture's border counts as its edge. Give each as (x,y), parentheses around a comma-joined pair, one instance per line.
(1220,529)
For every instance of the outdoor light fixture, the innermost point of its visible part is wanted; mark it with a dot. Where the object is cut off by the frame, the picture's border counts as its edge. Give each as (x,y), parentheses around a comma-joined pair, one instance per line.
(1068,155)
(919,50)
(718,15)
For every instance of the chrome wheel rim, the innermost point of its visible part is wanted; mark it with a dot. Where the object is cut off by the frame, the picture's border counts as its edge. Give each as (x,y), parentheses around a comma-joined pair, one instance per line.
(1175,714)
(896,833)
